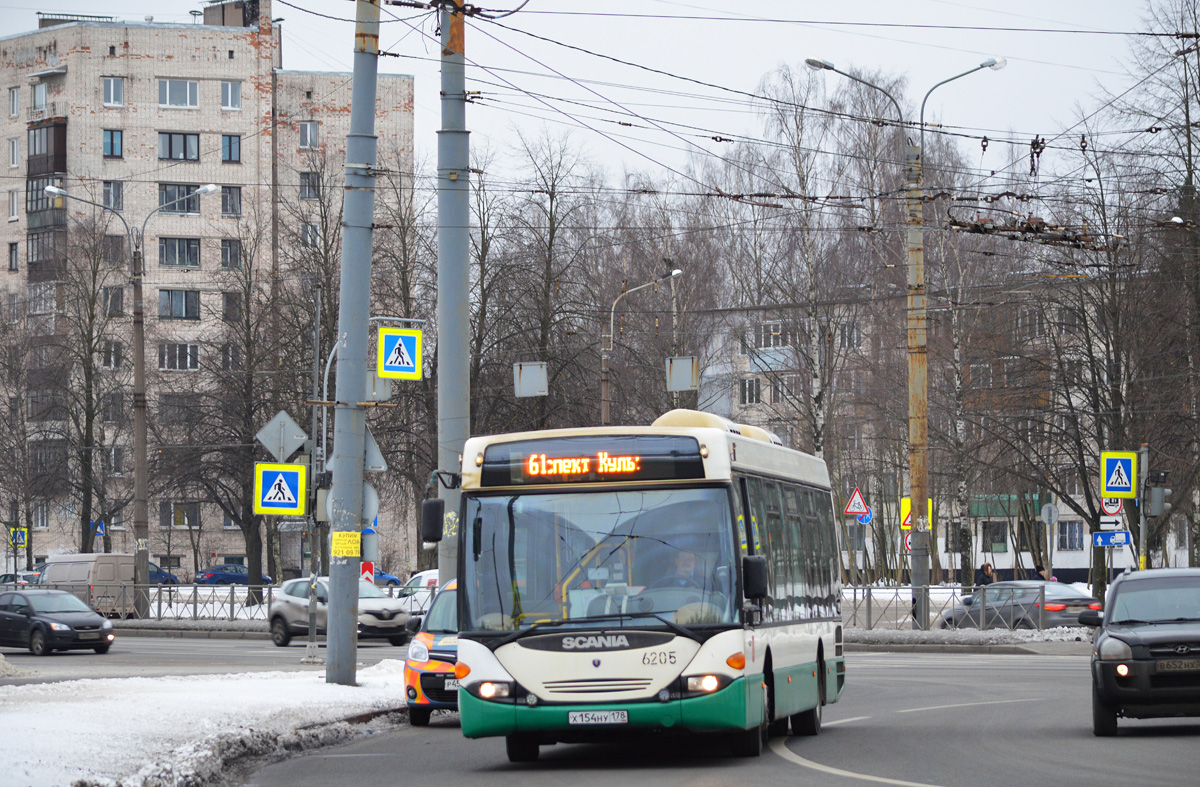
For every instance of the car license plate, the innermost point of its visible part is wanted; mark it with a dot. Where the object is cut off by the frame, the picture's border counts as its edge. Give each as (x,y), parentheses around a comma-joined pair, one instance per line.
(584,717)
(451,683)
(89,635)
(1177,665)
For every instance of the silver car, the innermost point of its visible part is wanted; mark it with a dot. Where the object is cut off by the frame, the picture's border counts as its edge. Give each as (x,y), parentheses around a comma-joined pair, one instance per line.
(379,615)
(1020,604)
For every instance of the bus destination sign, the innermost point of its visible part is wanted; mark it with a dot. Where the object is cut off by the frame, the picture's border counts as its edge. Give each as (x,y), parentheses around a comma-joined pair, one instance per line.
(592,460)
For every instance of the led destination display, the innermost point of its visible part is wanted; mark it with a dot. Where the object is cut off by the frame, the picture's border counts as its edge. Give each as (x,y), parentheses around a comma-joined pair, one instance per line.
(592,460)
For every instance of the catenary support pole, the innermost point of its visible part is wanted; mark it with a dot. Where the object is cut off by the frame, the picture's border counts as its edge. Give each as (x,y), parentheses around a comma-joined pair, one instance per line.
(1142,500)
(349,423)
(453,238)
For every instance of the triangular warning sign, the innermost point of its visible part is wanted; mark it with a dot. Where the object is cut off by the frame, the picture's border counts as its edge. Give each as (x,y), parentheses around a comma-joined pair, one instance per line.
(279,492)
(399,355)
(1118,479)
(857,505)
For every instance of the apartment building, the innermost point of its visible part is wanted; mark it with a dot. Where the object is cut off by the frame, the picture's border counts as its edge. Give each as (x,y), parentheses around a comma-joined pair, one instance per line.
(138,116)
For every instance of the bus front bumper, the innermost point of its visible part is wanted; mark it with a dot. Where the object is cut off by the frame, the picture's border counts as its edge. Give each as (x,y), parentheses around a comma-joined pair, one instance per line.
(726,709)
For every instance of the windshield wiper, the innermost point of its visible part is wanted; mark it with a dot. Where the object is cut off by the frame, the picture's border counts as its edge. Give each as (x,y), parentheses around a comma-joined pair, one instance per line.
(1129,622)
(536,627)
(1178,620)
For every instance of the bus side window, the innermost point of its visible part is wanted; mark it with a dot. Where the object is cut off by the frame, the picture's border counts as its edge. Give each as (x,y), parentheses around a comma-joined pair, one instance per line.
(739,514)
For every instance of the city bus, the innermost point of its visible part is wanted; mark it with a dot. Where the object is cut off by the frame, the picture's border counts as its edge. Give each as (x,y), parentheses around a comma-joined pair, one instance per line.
(680,577)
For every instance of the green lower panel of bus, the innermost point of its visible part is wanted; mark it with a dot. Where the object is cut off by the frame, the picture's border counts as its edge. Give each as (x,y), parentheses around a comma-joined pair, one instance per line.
(727,709)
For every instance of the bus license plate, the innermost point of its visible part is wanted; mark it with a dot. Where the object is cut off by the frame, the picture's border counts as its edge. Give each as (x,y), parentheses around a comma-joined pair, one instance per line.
(451,683)
(583,717)
(1177,665)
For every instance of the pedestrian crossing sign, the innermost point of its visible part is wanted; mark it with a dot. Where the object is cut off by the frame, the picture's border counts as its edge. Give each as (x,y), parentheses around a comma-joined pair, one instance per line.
(399,354)
(1118,474)
(280,489)
(18,537)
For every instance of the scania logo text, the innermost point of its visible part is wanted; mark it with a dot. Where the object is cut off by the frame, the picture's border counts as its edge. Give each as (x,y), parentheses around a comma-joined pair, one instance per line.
(595,642)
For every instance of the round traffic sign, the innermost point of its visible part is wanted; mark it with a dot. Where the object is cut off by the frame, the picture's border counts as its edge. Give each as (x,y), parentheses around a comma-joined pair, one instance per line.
(1111,505)
(865,519)
(908,541)
(1049,513)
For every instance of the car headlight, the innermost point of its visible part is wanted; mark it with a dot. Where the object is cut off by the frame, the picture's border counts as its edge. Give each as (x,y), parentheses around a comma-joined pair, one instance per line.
(60,627)
(417,651)
(106,625)
(1113,649)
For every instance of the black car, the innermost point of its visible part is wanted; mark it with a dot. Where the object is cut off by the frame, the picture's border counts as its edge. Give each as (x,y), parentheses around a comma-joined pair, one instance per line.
(48,620)
(1146,654)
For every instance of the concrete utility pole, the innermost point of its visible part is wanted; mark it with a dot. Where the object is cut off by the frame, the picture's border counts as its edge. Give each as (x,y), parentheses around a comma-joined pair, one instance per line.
(349,424)
(1143,463)
(454,225)
(918,382)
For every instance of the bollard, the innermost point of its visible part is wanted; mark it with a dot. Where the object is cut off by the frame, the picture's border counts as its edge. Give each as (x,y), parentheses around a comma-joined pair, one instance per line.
(868,607)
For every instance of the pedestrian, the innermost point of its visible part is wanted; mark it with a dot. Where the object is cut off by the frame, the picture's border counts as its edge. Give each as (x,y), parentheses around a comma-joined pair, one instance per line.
(1039,572)
(986,575)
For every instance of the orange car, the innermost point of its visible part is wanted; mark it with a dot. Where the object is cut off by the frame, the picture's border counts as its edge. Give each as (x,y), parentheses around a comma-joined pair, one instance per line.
(429,670)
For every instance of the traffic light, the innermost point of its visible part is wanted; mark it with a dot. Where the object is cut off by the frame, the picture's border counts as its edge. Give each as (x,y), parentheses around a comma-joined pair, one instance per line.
(1158,501)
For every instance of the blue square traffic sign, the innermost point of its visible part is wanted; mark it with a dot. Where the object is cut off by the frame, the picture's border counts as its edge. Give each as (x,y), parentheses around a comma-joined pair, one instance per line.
(399,354)
(280,489)
(1118,474)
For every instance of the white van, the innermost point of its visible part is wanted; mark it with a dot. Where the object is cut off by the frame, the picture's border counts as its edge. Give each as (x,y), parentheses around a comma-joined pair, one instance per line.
(102,580)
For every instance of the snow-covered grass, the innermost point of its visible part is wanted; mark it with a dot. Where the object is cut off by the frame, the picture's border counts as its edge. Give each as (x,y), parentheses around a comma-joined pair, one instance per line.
(180,731)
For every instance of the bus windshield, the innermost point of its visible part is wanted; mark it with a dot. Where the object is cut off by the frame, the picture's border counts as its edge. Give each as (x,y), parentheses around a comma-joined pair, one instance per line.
(646,557)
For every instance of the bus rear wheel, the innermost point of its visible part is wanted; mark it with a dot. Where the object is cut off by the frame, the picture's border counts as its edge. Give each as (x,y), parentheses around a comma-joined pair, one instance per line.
(521,748)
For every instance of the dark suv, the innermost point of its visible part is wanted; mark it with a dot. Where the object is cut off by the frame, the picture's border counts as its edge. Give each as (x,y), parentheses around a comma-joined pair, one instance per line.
(1146,654)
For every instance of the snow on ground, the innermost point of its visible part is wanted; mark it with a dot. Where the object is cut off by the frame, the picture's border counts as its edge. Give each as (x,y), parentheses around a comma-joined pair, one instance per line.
(179,731)
(968,637)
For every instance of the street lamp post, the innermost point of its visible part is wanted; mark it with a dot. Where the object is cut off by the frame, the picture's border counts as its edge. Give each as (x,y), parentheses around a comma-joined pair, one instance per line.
(607,347)
(141,524)
(918,381)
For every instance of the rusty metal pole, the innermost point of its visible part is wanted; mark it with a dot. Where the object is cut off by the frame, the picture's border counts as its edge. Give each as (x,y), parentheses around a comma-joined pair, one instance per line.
(918,389)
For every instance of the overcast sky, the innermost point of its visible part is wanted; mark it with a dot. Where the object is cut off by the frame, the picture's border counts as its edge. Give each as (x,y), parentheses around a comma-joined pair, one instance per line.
(726,44)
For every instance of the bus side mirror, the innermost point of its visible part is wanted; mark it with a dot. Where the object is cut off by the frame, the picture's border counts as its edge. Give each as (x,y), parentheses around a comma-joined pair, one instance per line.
(432,512)
(754,576)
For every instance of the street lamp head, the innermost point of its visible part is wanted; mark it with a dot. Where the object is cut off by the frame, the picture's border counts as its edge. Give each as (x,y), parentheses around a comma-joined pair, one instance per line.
(56,191)
(1177,221)
(675,272)
(208,188)
(819,65)
(994,63)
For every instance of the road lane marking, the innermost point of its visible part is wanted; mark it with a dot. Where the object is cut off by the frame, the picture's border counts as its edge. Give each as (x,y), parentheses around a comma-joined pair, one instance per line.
(968,705)
(779,746)
(843,721)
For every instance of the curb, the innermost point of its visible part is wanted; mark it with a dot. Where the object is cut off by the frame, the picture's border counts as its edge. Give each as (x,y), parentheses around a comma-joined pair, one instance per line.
(193,633)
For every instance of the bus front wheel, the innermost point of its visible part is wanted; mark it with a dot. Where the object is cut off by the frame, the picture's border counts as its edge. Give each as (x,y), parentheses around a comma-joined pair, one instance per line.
(808,722)
(749,743)
(521,748)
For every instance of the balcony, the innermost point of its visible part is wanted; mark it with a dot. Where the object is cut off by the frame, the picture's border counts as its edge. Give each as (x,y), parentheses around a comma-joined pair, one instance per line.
(54,218)
(47,111)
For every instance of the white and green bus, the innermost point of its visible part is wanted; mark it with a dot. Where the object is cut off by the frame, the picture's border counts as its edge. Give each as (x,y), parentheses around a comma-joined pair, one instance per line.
(608,585)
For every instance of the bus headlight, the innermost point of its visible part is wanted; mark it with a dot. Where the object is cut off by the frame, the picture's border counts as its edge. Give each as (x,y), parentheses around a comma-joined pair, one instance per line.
(705,684)
(491,690)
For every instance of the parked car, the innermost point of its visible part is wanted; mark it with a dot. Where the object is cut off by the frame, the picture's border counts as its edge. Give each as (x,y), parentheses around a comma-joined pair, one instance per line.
(429,669)
(160,576)
(1018,605)
(226,574)
(379,615)
(48,620)
(1146,653)
(384,579)
(19,579)
(419,590)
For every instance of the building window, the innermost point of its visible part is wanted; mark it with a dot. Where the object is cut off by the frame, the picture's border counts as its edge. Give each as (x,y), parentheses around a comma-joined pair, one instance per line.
(1070,535)
(231,148)
(231,357)
(114,460)
(180,357)
(179,304)
(178,93)
(14,153)
(749,391)
(770,334)
(36,198)
(856,537)
(114,300)
(14,101)
(14,306)
(112,408)
(14,256)
(231,254)
(177,514)
(41,247)
(177,408)
(231,200)
(981,375)
(308,134)
(310,235)
(43,297)
(111,355)
(46,405)
(113,143)
(995,537)
(114,195)
(849,337)
(114,91)
(178,198)
(40,513)
(114,248)
(310,185)
(14,205)
(232,306)
(231,95)
(179,252)
(178,147)
(39,97)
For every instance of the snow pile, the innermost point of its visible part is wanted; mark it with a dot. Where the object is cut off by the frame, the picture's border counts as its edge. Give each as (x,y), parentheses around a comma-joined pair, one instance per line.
(7,669)
(193,625)
(181,731)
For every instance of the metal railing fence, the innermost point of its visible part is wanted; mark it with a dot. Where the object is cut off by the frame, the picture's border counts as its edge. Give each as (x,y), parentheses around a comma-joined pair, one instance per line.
(883,608)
